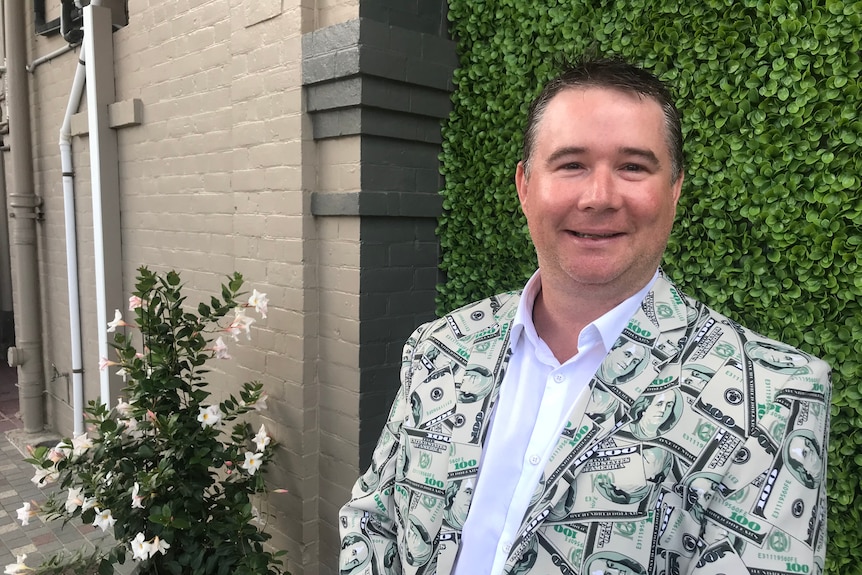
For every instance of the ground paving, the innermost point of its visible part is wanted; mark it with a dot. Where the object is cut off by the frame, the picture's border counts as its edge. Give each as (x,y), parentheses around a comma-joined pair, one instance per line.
(39,540)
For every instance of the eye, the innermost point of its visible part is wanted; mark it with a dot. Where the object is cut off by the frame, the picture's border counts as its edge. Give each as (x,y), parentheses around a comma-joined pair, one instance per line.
(636,168)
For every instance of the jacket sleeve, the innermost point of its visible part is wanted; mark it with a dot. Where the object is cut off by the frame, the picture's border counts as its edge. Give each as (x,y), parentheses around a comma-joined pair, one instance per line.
(368,523)
(777,522)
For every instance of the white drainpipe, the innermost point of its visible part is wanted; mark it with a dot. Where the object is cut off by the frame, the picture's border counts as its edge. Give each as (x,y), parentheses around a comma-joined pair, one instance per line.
(66,163)
(105,181)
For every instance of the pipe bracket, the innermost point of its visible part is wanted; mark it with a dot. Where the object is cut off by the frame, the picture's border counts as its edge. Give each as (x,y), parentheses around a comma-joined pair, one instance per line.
(27,206)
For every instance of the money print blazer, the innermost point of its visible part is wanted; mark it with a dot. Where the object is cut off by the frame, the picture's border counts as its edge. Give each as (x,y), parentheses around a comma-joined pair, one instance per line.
(701,451)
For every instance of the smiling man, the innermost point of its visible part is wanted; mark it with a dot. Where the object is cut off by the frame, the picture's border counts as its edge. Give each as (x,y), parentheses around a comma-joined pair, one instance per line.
(587,376)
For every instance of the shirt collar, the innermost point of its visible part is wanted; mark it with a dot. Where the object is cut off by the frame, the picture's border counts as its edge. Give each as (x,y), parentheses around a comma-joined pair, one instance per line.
(608,326)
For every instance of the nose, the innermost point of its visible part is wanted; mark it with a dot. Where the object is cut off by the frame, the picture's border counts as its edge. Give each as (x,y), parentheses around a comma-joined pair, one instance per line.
(599,192)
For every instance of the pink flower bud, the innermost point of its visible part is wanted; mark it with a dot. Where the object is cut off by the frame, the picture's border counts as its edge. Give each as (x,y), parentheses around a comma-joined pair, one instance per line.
(56,455)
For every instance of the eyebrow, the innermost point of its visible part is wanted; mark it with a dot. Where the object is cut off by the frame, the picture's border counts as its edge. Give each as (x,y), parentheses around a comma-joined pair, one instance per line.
(565,151)
(646,154)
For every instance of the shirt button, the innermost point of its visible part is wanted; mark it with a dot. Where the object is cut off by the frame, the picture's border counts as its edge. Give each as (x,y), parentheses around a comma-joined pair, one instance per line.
(559,378)
(534,459)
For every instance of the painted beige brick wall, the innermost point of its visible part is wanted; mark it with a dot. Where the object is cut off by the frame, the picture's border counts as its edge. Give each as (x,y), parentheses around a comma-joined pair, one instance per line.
(330,12)
(338,170)
(217,178)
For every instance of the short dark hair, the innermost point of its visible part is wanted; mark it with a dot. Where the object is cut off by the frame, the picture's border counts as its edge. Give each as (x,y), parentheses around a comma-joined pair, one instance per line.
(612,73)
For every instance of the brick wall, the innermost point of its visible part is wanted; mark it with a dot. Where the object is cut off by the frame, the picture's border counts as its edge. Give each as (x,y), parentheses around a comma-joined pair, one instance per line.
(377,87)
(214,179)
(295,142)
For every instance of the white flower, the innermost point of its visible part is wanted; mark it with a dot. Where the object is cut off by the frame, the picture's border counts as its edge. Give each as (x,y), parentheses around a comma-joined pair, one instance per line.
(261,440)
(131,425)
(123,372)
(18,567)
(124,409)
(64,448)
(89,502)
(118,321)
(25,513)
(209,416)
(137,500)
(74,499)
(255,515)
(105,363)
(252,462)
(104,519)
(140,547)
(241,324)
(159,546)
(258,301)
(134,302)
(44,476)
(81,443)
(57,455)
(258,405)
(220,349)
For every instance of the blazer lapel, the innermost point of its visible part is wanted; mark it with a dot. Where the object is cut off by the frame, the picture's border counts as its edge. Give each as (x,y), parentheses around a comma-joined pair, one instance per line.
(657,330)
(477,340)
(480,334)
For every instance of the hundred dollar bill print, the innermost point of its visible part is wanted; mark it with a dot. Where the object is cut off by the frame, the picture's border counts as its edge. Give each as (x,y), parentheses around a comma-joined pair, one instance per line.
(701,450)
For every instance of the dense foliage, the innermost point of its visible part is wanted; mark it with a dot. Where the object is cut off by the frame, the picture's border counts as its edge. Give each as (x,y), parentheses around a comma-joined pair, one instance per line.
(769,227)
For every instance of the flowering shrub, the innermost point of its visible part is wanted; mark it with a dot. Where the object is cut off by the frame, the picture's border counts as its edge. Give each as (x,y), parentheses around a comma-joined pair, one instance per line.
(159,468)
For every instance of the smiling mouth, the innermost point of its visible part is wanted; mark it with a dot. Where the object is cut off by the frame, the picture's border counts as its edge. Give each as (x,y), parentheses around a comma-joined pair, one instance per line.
(596,236)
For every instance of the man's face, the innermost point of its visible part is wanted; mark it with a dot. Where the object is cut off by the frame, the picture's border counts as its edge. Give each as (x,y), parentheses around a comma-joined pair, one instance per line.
(659,410)
(695,377)
(802,450)
(780,358)
(416,541)
(604,567)
(599,200)
(475,383)
(463,497)
(700,491)
(624,359)
(354,555)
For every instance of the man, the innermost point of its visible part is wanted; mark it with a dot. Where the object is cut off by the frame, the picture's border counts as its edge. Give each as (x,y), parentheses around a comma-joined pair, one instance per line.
(591,368)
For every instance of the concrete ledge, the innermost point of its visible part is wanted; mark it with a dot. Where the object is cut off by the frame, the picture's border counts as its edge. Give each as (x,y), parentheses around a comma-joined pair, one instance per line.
(365,203)
(120,115)
(21,439)
(339,122)
(370,48)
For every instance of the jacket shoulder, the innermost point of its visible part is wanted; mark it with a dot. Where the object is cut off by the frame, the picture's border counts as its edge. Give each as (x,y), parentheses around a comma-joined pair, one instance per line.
(478,316)
(708,326)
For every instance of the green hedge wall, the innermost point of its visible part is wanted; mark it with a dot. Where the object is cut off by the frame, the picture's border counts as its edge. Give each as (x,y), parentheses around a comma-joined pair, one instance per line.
(769,227)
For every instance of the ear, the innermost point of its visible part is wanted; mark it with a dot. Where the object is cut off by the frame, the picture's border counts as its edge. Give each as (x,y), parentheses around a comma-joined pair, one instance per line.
(521,183)
(677,188)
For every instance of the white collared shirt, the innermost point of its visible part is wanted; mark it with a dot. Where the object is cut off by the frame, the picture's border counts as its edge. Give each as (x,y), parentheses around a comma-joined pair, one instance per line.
(537,397)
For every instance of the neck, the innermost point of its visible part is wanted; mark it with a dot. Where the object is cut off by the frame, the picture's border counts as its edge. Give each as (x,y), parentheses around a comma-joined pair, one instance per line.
(560,316)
